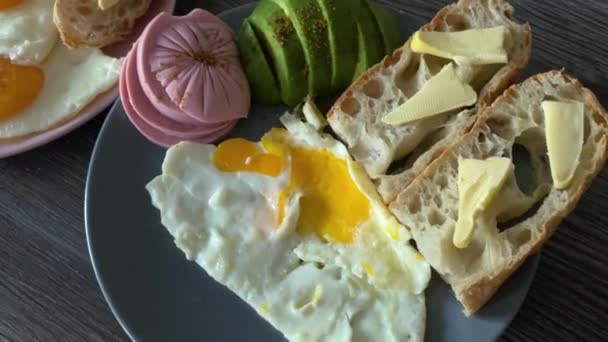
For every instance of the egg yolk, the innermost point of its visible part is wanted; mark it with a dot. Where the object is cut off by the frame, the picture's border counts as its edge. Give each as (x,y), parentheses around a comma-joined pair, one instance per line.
(242,155)
(4,4)
(332,206)
(19,87)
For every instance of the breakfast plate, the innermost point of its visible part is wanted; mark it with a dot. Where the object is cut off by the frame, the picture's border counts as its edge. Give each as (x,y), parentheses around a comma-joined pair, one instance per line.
(156,295)
(102,101)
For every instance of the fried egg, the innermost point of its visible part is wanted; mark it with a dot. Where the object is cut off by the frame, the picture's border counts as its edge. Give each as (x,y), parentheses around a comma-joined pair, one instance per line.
(294,227)
(36,98)
(27,32)
(42,83)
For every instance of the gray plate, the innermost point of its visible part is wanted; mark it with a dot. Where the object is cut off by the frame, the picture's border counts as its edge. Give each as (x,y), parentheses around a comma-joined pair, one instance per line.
(157,295)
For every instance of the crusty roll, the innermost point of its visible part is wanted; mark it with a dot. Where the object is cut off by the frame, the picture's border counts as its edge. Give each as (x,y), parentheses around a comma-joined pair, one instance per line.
(81,23)
(527,209)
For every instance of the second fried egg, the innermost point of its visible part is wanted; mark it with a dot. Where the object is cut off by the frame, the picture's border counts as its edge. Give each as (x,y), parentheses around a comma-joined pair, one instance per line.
(27,32)
(38,97)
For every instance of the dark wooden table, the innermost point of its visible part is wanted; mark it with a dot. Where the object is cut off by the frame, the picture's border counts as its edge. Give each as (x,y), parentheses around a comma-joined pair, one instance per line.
(48,291)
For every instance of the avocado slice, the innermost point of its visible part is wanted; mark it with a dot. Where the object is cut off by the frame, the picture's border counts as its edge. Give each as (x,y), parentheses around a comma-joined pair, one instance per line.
(387,23)
(343,44)
(371,45)
(312,28)
(278,37)
(263,83)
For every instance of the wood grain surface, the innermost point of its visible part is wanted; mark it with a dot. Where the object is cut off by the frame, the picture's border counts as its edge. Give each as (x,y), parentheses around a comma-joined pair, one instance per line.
(48,291)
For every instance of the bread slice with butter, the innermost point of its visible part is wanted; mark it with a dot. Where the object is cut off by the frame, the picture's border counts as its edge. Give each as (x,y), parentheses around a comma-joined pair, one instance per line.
(393,154)
(523,213)
(96,23)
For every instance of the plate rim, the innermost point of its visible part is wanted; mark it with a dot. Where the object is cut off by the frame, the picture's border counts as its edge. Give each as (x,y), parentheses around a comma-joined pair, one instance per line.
(87,223)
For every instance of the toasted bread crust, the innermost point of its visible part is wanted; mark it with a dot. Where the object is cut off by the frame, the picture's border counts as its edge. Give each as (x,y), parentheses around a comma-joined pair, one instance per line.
(503,79)
(475,287)
(83,24)
(356,131)
(476,295)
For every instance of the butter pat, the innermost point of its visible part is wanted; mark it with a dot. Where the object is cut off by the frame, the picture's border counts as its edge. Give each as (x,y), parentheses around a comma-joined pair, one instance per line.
(564,130)
(106,4)
(475,46)
(442,93)
(478,183)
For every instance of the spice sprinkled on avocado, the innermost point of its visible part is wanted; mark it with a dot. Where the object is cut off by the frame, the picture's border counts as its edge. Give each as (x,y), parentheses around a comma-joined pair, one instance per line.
(314,47)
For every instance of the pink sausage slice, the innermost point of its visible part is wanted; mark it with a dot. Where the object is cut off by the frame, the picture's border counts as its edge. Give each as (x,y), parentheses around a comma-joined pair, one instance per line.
(141,104)
(155,135)
(189,68)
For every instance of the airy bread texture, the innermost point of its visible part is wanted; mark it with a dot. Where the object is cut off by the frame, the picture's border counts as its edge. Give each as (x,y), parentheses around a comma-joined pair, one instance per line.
(81,23)
(521,218)
(407,149)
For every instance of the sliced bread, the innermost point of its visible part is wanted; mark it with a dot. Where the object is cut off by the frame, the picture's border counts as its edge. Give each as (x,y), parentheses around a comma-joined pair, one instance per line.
(81,23)
(525,212)
(391,155)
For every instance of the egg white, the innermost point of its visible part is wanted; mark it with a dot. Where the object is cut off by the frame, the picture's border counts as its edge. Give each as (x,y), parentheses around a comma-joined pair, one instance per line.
(310,290)
(382,251)
(27,32)
(73,78)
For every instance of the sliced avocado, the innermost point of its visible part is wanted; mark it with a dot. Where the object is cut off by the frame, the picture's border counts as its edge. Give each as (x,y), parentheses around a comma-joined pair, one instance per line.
(278,37)
(263,83)
(371,45)
(387,23)
(312,28)
(343,44)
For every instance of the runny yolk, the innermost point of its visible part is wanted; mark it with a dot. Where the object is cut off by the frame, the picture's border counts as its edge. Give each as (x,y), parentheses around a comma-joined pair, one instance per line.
(331,206)
(242,155)
(4,4)
(19,87)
